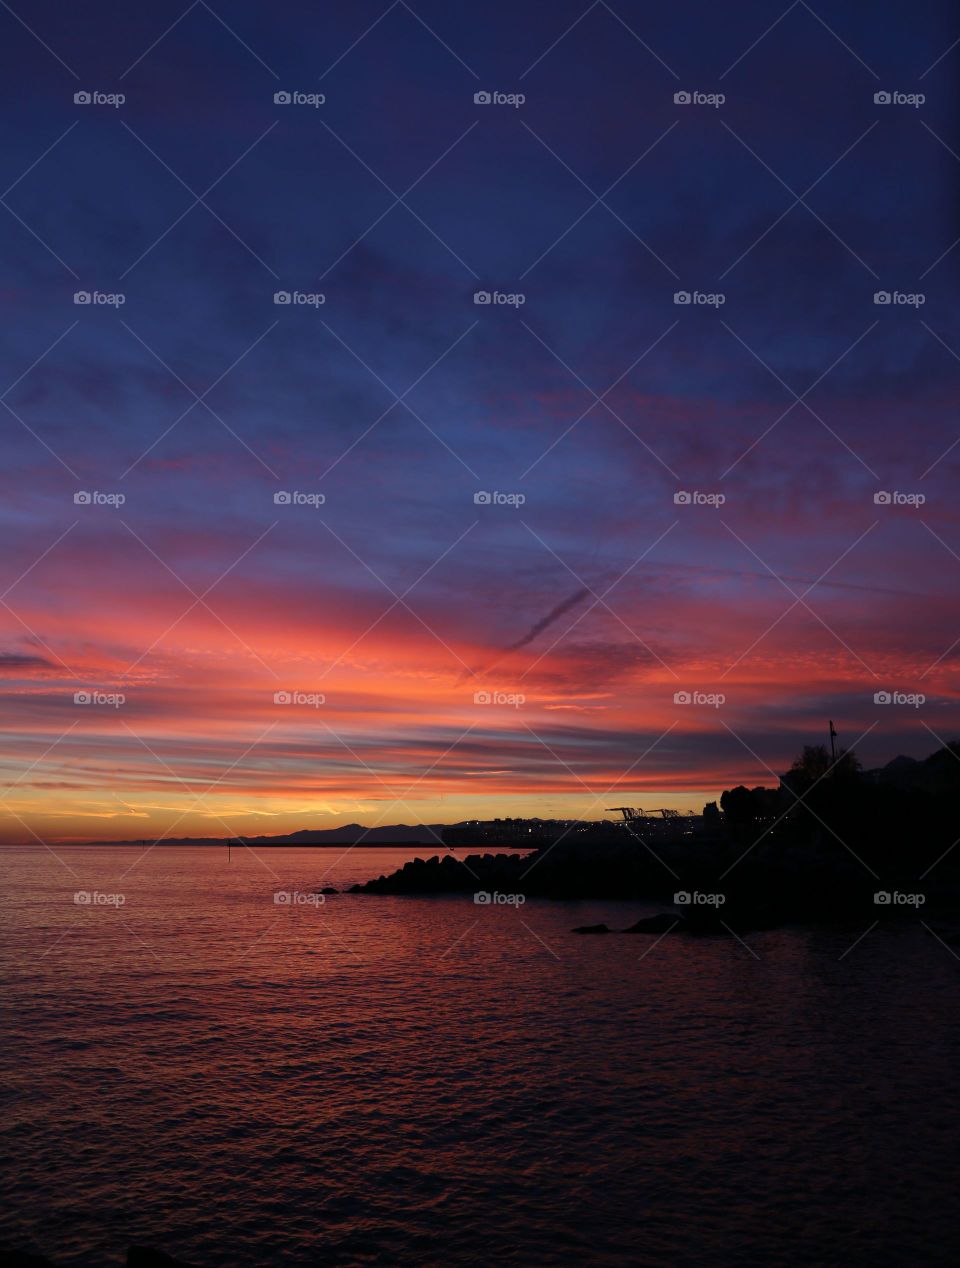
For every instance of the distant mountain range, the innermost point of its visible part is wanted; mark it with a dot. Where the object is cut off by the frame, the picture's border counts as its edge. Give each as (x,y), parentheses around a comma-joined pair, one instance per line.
(349,834)
(934,774)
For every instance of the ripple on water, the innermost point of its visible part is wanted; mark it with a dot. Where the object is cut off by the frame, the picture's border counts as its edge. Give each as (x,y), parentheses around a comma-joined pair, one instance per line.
(405,1082)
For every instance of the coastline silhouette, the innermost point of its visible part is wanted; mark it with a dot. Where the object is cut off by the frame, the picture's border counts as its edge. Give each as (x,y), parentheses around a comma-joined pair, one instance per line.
(831,842)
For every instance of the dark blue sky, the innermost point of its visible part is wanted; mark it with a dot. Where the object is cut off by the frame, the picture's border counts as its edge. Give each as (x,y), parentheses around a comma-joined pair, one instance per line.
(597,200)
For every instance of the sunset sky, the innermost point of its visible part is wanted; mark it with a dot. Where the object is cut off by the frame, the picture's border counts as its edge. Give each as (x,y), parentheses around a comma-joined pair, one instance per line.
(400,600)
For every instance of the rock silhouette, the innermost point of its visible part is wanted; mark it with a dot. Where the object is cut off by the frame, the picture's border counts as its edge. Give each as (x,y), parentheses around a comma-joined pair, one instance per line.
(661,923)
(827,845)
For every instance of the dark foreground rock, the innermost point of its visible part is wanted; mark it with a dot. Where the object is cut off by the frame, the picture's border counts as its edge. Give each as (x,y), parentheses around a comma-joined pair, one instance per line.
(716,881)
(698,923)
(453,874)
(593,929)
(663,922)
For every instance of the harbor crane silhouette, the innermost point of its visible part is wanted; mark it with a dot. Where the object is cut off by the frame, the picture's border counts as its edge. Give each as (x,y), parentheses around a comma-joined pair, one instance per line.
(637,812)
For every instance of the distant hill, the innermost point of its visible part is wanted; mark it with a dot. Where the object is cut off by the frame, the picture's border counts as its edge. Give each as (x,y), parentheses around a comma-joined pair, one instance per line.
(395,834)
(350,834)
(936,774)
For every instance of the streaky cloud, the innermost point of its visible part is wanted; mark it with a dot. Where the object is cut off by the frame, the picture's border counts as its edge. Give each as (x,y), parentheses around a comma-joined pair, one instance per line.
(546,621)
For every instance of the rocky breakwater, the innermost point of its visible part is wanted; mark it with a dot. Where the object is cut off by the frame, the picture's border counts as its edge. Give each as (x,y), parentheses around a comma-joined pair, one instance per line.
(619,868)
(452,874)
(710,880)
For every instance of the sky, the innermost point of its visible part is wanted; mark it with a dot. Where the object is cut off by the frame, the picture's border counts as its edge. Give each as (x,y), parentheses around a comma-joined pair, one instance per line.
(389,553)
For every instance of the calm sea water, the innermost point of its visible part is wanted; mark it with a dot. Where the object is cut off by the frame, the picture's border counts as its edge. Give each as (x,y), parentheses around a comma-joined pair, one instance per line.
(405,1081)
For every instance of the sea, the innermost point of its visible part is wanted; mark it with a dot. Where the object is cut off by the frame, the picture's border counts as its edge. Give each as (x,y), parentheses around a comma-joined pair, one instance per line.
(203,1057)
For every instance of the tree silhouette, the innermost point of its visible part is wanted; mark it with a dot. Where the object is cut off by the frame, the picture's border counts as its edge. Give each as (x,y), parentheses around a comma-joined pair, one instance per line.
(815,764)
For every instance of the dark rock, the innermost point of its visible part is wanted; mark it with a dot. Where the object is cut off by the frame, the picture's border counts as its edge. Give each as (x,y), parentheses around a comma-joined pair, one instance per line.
(663,922)
(592,929)
(329,889)
(144,1257)
(788,869)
